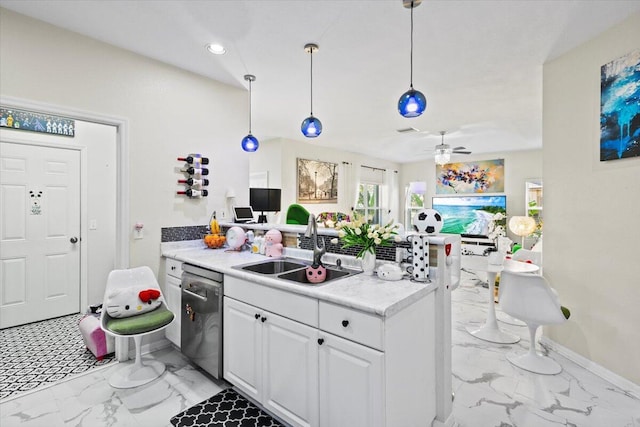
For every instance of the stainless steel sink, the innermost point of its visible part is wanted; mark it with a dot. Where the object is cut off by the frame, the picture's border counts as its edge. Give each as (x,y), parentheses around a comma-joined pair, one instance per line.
(293,270)
(300,276)
(273,266)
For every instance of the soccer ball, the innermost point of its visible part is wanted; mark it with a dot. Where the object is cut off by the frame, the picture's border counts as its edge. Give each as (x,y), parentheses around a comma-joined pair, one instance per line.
(427,221)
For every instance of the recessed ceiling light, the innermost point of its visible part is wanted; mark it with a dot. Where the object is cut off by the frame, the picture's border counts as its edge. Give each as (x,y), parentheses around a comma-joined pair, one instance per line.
(216,49)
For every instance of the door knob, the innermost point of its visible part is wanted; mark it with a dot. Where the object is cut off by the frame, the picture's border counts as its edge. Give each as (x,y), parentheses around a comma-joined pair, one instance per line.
(73,240)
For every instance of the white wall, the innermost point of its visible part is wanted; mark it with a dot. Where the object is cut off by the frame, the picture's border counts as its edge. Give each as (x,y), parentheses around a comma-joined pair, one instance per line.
(279,156)
(591,210)
(170,113)
(518,167)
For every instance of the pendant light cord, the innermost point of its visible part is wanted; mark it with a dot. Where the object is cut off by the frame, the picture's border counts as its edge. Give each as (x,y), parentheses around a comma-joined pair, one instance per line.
(249,107)
(311,53)
(411,54)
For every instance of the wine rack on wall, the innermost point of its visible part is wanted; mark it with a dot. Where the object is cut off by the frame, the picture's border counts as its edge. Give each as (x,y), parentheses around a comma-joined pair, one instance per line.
(196,180)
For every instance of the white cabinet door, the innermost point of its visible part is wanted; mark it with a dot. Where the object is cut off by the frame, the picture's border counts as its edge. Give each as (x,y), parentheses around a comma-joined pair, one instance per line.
(290,367)
(242,347)
(173,298)
(351,384)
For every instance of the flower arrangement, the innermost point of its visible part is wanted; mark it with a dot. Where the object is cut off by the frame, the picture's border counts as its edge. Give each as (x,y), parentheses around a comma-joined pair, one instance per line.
(497,226)
(360,233)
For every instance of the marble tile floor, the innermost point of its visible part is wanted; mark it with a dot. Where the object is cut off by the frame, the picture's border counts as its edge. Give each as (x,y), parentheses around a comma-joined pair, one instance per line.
(89,401)
(489,391)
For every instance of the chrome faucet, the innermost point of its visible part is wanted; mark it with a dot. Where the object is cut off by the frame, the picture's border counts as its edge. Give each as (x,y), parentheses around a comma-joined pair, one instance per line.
(312,232)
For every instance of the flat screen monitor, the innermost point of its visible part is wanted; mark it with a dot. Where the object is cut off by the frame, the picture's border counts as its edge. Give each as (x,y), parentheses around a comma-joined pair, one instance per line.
(265,200)
(243,214)
(469,215)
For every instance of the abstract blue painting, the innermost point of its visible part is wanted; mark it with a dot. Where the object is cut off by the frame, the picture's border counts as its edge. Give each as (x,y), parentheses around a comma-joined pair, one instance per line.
(620,108)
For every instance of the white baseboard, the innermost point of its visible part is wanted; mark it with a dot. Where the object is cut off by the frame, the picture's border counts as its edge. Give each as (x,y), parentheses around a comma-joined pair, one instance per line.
(450,422)
(615,379)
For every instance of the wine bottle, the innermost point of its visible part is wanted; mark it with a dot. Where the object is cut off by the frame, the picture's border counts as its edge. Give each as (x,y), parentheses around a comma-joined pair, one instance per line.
(195,183)
(196,172)
(194,193)
(195,159)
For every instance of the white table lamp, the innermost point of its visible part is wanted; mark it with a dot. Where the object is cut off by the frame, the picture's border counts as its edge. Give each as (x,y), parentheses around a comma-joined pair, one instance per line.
(522,226)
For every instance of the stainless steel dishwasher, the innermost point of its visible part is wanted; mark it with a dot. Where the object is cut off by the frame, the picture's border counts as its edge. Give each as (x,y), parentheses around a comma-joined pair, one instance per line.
(201,316)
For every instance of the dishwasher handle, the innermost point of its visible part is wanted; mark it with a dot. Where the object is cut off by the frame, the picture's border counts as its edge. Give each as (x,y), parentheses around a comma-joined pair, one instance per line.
(200,297)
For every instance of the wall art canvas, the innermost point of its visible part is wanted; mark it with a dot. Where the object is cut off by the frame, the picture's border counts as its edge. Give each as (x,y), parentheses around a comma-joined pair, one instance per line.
(484,176)
(36,122)
(317,181)
(620,108)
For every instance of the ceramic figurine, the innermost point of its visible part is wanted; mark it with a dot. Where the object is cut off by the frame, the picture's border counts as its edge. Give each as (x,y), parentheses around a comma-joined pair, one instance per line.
(273,243)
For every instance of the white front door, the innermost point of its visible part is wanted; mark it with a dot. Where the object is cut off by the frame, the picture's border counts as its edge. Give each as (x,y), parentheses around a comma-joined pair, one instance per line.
(40,234)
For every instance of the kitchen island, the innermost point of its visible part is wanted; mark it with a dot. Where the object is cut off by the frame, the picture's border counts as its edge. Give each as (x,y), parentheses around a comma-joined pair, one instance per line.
(354,351)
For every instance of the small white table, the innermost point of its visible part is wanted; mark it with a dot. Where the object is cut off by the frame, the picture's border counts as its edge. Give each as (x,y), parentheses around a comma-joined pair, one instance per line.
(490,330)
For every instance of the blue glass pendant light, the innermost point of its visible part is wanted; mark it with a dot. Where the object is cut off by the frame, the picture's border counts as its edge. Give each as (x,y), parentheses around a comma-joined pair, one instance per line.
(250,143)
(311,126)
(412,103)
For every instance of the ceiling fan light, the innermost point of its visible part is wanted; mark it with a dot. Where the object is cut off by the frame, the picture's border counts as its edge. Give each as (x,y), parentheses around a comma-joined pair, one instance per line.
(412,103)
(442,157)
(311,127)
(250,143)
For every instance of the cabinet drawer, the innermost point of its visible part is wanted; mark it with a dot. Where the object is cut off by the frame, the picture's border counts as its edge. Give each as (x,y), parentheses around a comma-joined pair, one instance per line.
(174,267)
(351,324)
(293,306)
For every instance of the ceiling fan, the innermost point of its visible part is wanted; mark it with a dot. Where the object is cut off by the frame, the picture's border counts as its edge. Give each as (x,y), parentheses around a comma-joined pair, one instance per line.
(444,151)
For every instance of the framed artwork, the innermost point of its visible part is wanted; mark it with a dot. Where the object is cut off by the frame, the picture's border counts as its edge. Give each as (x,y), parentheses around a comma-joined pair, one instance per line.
(484,176)
(317,181)
(620,108)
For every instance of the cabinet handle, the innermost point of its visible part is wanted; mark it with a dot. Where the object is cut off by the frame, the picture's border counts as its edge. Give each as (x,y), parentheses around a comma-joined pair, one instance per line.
(263,319)
(257,315)
(320,341)
(173,267)
(345,323)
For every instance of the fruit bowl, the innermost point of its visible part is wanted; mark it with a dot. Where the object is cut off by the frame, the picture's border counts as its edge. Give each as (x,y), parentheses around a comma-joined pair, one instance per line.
(214,241)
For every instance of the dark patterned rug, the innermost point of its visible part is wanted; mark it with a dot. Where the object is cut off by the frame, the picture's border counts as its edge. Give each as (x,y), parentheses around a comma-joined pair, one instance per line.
(42,353)
(225,409)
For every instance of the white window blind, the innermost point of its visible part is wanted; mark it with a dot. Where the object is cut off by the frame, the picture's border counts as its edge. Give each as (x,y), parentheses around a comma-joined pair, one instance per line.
(371,175)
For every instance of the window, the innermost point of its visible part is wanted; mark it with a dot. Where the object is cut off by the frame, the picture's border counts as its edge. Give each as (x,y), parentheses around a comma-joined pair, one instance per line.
(415,202)
(368,205)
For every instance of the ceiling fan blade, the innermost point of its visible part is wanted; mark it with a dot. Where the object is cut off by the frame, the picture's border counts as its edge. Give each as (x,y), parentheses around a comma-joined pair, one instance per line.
(461,152)
(459,148)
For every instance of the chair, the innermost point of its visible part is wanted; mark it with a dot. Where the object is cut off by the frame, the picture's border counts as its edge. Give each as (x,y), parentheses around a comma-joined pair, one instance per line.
(529,297)
(134,326)
(528,255)
(297,214)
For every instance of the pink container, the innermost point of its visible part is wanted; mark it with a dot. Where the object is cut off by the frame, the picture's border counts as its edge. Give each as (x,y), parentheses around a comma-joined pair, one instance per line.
(316,274)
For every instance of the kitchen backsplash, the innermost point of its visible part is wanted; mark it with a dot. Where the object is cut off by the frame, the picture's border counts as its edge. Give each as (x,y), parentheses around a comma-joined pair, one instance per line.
(177,234)
(386,253)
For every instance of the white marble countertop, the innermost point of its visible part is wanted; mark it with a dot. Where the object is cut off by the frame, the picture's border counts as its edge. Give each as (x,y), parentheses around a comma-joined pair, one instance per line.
(365,293)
